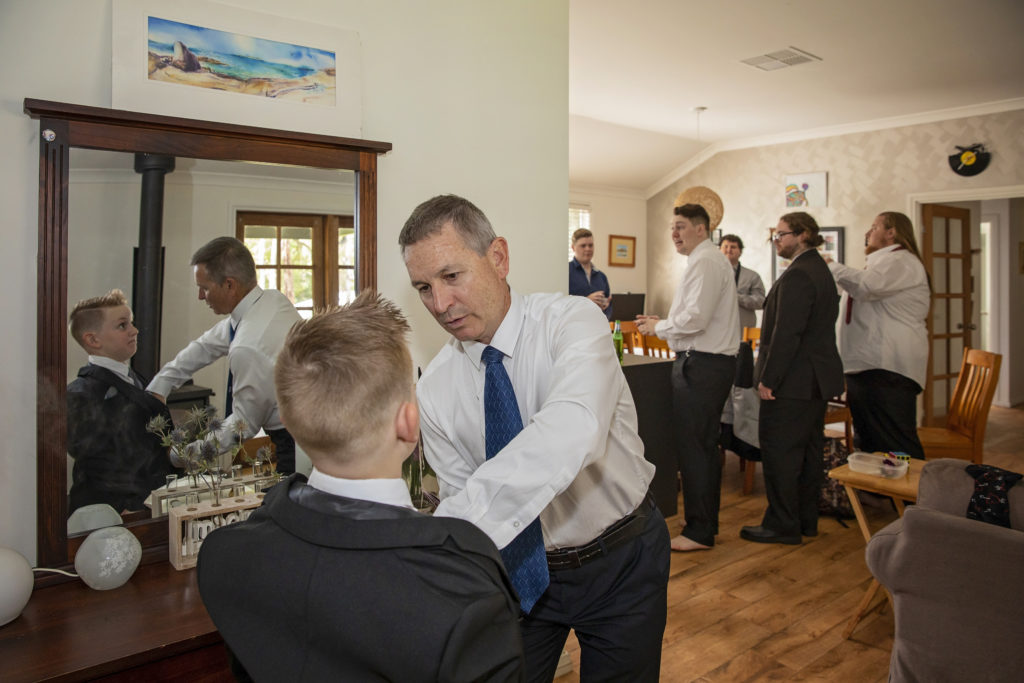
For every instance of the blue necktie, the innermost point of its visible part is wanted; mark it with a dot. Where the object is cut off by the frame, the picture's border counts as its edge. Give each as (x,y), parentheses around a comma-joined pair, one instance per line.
(227,397)
(524,557)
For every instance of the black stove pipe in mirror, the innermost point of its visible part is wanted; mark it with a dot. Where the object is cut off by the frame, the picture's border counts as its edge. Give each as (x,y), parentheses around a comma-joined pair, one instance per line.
(147,290)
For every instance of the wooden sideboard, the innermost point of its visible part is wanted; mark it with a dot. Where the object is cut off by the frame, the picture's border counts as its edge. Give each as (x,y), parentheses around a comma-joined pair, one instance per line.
(153,628)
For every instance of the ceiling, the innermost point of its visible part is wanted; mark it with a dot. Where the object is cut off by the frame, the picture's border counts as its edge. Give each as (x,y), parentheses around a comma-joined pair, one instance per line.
(637,70)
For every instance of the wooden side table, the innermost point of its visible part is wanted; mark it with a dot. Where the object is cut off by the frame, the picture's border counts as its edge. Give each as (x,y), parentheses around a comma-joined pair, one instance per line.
(900,490)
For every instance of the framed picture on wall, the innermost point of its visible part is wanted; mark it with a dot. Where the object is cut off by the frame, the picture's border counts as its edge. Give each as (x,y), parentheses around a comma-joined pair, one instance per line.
(205,60)
(621,251)
(831,247)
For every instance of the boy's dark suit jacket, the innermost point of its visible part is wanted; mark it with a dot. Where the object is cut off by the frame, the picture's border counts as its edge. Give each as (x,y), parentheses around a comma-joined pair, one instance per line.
(116,460)
(316,587)
(798,356)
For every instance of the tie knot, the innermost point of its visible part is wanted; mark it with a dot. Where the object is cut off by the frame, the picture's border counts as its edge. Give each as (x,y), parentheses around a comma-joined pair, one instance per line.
(492,355)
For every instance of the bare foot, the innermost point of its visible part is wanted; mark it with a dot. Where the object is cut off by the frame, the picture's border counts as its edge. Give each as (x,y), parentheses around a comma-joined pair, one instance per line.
(682,544)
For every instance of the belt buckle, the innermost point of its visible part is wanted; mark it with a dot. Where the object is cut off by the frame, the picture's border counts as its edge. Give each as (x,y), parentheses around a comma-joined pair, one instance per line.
(573,558)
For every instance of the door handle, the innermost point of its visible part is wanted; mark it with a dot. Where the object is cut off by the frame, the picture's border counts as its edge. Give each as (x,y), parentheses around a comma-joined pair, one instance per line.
(972,326)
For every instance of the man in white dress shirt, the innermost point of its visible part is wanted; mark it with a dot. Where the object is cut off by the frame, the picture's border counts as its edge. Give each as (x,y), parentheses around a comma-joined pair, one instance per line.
(251,337)
(577,464)
(883,336)
(703,329)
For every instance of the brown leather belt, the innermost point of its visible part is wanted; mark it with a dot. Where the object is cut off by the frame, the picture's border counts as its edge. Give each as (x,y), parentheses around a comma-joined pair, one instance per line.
(626,529)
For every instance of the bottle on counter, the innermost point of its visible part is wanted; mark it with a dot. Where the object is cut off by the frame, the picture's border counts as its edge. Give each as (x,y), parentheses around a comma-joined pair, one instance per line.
(617,340)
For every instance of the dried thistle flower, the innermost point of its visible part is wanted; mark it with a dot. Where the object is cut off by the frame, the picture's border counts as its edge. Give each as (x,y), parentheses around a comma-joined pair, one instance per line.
(158,425)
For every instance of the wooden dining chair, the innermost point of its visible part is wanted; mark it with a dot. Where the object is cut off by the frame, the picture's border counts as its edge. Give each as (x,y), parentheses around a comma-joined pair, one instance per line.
(837,411)
(632,340)
(657,347)
(963,436)
(752,335)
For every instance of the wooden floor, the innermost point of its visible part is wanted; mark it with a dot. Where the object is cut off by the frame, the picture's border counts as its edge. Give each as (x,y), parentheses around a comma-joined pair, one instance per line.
(763,612)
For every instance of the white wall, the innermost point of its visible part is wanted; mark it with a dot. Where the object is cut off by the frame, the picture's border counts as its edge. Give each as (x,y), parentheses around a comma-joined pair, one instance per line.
(616,212)
(473,95)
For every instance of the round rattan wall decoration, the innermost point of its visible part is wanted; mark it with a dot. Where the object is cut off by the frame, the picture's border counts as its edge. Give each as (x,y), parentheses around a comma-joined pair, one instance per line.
(707,198)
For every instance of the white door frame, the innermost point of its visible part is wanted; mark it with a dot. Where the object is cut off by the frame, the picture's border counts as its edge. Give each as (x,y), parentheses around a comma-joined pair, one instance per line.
(999,264)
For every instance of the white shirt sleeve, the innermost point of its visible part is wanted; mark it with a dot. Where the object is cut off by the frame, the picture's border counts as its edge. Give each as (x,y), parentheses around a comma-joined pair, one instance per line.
(213,344)
(578,391)
(697,297)
(881,279)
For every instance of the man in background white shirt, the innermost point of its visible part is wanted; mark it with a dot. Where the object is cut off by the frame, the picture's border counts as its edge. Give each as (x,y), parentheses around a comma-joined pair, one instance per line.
(703,329)
(577,463)
(251,337)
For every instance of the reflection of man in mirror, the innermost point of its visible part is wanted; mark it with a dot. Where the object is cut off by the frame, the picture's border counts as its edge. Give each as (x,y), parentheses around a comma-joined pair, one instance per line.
(117,461)
(251,337)
(437,582)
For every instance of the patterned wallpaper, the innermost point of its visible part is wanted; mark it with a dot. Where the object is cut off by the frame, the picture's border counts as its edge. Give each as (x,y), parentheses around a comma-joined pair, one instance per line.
(868,173)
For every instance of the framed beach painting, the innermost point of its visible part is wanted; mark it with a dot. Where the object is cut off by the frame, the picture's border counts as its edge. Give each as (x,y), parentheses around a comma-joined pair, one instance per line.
(203,60)
(621,251)
(831,247)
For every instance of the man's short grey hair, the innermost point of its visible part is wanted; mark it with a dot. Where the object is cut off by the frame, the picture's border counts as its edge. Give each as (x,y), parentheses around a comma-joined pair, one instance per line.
(225,257)
(430,217)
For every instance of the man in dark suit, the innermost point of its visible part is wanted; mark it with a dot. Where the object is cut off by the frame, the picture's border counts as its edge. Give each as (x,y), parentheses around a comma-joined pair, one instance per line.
(117,461)
(340,578)
(798,369)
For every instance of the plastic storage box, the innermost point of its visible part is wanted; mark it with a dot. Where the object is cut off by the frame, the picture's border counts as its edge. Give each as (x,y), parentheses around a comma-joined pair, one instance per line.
(879,465)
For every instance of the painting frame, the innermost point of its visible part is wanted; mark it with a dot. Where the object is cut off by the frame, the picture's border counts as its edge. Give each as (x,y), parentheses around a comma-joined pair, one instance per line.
(806,190)
(622,251)
(833,247)
(133,90)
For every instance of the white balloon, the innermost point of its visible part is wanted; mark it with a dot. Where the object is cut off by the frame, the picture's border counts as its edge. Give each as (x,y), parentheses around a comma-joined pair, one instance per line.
(108,558)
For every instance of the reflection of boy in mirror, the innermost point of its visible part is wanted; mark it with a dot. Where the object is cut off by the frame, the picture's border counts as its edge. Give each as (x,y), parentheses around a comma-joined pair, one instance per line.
(283,585)
(116,460)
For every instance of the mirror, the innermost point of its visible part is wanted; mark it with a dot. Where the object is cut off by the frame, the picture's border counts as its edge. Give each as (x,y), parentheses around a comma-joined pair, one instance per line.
(64,127)
(201,200)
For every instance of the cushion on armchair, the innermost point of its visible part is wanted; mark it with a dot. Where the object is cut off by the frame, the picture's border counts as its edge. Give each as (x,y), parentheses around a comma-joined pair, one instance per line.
(946,486)
(956,584)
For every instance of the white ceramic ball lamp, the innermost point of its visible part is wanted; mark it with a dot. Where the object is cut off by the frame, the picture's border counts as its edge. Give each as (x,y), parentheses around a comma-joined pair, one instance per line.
(16,581)
(108,558)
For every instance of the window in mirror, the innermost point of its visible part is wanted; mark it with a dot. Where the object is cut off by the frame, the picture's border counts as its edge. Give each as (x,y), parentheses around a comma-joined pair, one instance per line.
(294,253)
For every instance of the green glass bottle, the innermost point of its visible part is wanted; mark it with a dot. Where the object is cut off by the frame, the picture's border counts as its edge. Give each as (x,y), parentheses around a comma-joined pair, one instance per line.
(617,340)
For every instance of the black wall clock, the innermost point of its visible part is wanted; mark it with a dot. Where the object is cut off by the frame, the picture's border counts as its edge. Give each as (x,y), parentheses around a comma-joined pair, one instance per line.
(969,161)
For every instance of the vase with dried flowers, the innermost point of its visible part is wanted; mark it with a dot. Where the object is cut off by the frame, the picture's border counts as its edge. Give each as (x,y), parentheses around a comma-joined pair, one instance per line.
(196,444)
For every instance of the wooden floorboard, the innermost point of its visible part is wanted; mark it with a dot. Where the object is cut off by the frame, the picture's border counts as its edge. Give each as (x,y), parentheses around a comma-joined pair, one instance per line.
(759,612)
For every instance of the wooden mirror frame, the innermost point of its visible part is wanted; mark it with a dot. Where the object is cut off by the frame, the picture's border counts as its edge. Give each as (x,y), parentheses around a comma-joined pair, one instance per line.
(63,126)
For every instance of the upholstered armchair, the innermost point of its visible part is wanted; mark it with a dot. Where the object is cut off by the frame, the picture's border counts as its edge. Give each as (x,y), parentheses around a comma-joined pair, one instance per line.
(957,583)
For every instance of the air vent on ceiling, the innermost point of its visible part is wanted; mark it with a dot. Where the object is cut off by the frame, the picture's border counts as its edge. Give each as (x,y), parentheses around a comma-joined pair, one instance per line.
(780,59)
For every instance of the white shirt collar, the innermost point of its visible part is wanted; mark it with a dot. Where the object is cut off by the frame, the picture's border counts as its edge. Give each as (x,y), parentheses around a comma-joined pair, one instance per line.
(507,334)
(117,367)
(244,305)
(879,252)
(386,491)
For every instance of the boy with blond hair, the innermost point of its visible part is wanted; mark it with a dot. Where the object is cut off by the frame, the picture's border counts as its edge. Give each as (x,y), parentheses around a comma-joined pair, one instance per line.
(339,577)
(117,461)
